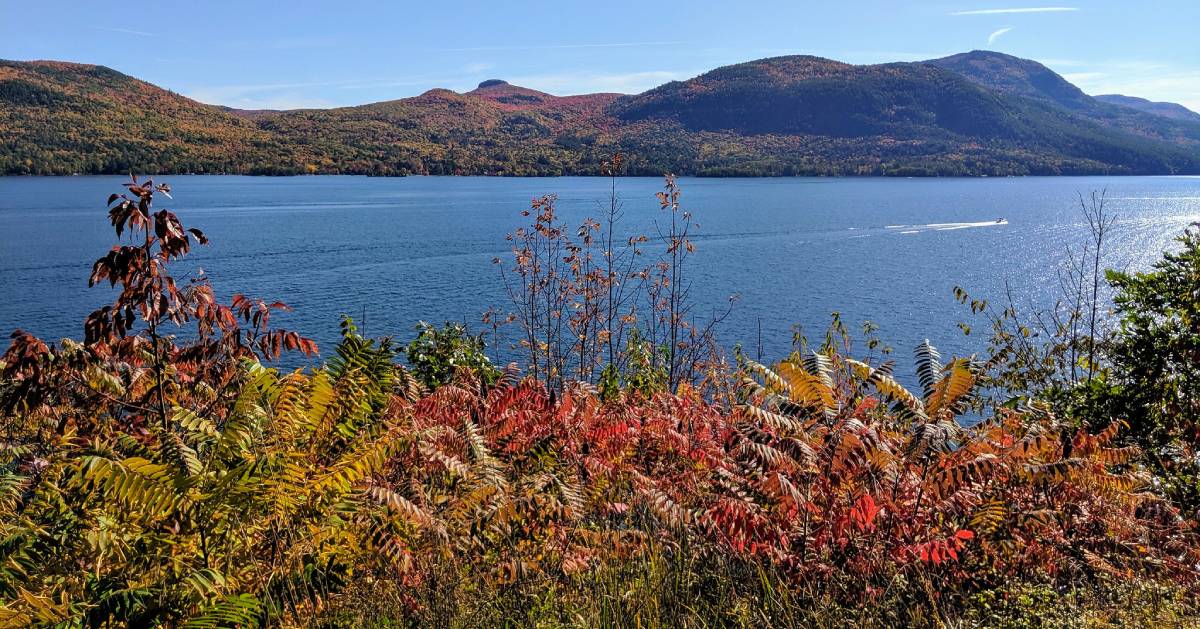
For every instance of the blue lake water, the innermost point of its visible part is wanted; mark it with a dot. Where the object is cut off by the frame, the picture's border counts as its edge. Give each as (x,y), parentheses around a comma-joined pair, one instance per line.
(409,249)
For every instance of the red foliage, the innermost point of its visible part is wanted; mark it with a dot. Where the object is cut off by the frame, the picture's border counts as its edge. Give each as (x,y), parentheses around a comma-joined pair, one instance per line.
(812,494)
(128,338)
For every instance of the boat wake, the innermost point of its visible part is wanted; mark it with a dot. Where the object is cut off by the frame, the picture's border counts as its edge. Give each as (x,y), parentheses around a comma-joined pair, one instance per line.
(916,229)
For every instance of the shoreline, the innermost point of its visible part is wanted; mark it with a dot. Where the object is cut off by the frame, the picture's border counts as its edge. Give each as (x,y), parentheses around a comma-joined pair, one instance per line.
(592,176)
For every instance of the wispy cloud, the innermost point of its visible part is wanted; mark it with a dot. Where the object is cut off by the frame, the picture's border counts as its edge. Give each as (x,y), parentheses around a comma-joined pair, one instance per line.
(1063,63)
(309,95)
(1016,10)
(125,31)
(284,43)
(263,96)
(1155,81)
(1079,78)
(302,94)
(997,33)
(476,68)
(886,56)
(589,82)
(283,101)
(560,46)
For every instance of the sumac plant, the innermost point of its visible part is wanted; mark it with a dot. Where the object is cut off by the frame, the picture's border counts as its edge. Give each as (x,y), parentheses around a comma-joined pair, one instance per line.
(820,491)
(132,359)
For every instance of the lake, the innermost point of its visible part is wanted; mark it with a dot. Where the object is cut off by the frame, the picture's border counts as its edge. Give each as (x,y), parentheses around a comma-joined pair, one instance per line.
(396,251)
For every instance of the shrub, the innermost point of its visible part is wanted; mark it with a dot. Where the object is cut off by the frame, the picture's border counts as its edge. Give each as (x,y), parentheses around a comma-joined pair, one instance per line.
(436,353)
(145,482)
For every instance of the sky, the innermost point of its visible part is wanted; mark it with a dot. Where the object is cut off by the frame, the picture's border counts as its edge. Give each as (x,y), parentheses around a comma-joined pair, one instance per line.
(296,53)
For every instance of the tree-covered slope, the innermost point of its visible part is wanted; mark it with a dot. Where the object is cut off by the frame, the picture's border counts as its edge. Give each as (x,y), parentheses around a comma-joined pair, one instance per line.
(974,114)
(63,118)
(908,116)
(813,96)
(496,129)
(1031,80)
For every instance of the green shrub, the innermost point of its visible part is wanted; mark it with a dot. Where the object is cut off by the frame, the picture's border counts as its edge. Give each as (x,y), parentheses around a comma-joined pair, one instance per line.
(436,352)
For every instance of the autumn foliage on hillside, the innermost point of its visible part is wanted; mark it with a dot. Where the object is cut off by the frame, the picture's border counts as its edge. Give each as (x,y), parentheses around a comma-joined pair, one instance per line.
(781,116)
(156,478)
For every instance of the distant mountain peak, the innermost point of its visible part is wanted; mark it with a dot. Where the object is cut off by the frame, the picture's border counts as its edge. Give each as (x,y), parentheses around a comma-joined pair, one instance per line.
(995,60)
(1174,111)
(993,54)
(1014,75)
(511,96)
(497,86)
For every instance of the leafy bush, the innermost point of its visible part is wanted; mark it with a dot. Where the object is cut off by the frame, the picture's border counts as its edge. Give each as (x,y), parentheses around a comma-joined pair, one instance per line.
(437,353)
(144,483)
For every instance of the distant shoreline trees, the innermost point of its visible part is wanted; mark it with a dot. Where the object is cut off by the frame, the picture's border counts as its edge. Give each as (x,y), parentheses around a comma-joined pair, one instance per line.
(153,479)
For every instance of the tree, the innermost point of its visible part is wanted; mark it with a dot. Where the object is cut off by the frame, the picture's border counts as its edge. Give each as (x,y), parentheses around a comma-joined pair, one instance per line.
(1155,358)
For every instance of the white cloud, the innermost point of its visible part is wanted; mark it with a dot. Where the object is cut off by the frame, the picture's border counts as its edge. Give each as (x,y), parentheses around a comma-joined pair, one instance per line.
(283,43)
(476,68)
(301,95)
(1083,77)
(1154,81)
(285,101)
(1016,10)
(885,56)
(996,34)
(589,82)
(267,96)
(561,46)
(371,84)
(1062,63)
(126,31)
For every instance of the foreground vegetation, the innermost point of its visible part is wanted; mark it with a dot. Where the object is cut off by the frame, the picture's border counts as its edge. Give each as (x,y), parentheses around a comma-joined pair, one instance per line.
(157,476)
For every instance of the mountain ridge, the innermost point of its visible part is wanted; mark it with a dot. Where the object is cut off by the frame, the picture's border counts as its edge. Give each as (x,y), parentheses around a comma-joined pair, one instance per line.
(977,113)
(1169,110)
(1032,80)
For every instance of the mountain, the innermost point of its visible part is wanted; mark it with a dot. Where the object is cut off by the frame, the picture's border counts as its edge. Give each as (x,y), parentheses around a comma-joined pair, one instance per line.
(494,129)
(804,95)
(517,98)
(58,118)
(1168,110)
(1035,82)
(1012,75)
(973,114)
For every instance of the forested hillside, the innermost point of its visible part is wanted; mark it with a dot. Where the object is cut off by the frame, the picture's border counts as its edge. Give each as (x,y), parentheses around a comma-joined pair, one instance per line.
(64,118)
(1031,80)
(972,114)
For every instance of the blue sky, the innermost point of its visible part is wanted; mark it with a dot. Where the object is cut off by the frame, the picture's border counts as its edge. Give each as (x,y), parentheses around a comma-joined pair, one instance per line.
(320,54)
